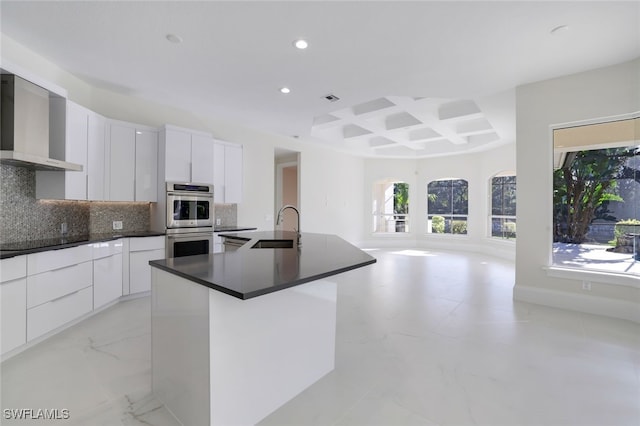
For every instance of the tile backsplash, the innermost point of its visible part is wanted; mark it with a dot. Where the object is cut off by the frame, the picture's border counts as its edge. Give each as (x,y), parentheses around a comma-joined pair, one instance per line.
(26,218)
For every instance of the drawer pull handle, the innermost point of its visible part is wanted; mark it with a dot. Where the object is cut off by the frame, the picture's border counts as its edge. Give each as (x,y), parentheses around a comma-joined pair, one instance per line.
(60,268)
(63,296)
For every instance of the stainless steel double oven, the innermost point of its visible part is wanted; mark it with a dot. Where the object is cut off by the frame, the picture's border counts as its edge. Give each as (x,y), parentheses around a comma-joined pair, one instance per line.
(190,213)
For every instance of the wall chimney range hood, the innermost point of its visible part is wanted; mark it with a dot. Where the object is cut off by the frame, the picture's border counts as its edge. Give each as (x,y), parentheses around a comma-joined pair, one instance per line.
(26,127)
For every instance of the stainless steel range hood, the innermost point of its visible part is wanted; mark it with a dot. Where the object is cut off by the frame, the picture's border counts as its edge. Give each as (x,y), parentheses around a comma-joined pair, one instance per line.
(25,126)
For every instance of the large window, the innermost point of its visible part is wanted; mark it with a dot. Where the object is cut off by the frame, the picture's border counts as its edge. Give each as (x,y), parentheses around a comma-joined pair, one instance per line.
(391,206)
(503,207)
(447,206)
(596,197)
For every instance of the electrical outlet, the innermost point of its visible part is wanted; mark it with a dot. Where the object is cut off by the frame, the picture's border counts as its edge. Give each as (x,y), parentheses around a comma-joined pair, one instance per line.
(586,285)
(117,224)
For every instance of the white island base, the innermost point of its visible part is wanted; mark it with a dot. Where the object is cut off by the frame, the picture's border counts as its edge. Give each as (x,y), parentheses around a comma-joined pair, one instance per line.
(221,360)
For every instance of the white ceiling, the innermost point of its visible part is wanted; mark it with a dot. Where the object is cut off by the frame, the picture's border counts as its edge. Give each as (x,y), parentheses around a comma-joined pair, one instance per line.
(414,79)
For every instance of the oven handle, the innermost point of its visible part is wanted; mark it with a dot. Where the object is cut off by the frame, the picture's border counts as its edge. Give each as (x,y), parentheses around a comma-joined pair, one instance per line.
(190,236)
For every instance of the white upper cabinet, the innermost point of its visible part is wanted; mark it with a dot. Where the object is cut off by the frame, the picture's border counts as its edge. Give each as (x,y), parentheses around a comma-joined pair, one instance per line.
(178,156)
(202,158)
(228,170)
(146,165)
(132,161)
(188,155)
(122,156)
(67,185)
(96,152)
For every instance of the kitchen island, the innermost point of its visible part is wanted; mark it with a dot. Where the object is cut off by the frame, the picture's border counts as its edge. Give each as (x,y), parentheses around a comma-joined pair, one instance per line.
(235,335)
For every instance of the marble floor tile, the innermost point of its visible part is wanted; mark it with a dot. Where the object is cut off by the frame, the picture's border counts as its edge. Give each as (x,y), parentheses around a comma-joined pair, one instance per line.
(425,338)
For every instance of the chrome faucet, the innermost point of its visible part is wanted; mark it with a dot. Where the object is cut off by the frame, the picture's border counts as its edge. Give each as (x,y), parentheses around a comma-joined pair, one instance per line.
(281,218)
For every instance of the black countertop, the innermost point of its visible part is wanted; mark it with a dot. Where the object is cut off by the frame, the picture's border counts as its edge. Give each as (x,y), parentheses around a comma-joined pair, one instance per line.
(232,228)
(249,272)
(8,250)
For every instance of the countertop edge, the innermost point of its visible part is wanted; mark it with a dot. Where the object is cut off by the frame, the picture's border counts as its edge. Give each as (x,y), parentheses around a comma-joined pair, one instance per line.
(91,240)
(262,292)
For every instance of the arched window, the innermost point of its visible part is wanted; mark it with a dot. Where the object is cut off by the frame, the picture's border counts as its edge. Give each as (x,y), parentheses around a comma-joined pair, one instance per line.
(503,206)
(390,206)
(447,206)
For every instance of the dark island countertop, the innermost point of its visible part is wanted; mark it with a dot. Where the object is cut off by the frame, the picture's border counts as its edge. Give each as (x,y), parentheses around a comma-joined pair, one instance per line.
(20,248)
(249,272)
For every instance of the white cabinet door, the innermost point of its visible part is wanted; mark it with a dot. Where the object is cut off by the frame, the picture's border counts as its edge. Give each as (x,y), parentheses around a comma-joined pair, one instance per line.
(140,271)
(76,150)
(13,314)
(218,173)
(227,183)
(177,156)
(107,280)
(232,174)
(13,303)
(96,152)
(73,149)
(146,166)
(122,150)
(202,153)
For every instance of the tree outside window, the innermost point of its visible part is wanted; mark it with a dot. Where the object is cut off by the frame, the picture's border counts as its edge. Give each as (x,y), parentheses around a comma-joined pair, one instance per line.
(390,207)
(447,206)
(503,207)
(596,197)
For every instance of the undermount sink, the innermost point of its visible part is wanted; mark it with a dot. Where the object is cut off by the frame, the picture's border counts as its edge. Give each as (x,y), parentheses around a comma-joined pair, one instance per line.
(273,244)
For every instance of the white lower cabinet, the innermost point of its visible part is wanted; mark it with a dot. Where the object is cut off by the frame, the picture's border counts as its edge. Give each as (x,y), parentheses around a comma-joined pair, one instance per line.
(13,303)
(107,272)
(41,292)
(51,315)
(141,251)
(59,288)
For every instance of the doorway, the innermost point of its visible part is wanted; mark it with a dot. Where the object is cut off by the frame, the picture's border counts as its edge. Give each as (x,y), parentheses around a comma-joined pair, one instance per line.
(287,185)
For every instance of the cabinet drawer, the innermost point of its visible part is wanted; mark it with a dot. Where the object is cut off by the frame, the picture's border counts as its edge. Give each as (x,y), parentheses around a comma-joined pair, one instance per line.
(51,315)
(56,259)
(13,268)
(146,243)
(106,248)
(51,285)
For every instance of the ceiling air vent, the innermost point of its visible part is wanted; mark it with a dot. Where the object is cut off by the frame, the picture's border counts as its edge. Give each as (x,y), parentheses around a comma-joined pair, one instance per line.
(332,98)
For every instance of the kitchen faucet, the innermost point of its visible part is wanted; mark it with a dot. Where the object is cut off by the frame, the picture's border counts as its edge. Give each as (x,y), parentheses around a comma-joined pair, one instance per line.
(281,218)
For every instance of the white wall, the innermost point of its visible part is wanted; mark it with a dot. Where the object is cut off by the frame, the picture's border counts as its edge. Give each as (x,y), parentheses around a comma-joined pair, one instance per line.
(591,95)
(331,182)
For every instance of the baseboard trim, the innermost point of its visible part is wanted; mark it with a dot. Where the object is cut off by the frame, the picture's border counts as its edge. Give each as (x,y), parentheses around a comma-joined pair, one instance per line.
(621,309)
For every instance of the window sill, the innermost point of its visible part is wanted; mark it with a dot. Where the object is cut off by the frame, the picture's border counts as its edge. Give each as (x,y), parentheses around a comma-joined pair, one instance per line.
(611,278)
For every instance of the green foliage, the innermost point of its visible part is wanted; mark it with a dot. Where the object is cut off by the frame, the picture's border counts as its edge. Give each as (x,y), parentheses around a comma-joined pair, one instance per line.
(582,188)
(437,224)
(509,229)
(458,226)
(627,226)
(401,198)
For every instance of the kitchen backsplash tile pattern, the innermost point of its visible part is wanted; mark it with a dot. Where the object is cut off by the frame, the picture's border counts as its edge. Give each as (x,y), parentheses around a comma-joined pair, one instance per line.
(134,216)
(227,213)
(25,218)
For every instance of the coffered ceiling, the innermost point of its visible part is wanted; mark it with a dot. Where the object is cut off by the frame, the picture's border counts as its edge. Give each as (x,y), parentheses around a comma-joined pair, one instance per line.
(378,78)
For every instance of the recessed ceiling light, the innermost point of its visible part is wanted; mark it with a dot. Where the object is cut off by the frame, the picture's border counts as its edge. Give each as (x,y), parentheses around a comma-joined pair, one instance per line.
(559,29)
(301,44)
(174,38)
(285,90)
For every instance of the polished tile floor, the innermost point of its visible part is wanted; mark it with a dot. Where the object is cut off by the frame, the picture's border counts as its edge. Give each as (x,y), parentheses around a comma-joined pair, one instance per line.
(423,338)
